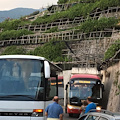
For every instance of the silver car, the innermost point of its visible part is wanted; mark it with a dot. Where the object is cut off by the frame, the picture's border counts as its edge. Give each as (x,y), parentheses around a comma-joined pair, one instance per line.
(102,115)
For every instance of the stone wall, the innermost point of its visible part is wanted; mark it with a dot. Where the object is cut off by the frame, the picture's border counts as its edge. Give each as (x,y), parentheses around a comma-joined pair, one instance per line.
(111,97)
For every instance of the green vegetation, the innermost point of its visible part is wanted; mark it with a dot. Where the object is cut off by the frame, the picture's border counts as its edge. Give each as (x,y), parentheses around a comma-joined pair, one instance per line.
(34,13)
(81,9)
(62,1)
(51,30)
(112,50)
(73,1)
(51,50)
(97,25)
(12,34)
(14,50)
(13,24)
(10,29)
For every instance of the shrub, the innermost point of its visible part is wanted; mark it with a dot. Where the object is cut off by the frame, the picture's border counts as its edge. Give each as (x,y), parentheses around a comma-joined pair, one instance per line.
(12,34)
(14,50)
(51,50)
(81,9)
(62,1)
(53,29)
(12,24)
(112,50)
(97,25)
(34,13)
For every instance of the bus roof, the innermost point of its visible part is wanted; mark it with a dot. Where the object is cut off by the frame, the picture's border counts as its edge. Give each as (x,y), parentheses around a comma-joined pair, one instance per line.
(85,76)
(22,57)
(57,68)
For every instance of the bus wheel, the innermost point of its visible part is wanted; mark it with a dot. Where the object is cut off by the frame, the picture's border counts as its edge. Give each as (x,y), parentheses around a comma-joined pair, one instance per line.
(70,114)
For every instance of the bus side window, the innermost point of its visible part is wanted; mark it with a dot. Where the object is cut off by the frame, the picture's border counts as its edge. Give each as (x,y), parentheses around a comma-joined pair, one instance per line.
(51,89)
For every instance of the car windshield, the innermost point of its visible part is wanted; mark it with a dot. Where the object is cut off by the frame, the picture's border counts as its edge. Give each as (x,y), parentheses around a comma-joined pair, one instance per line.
(21,79)
(84,90)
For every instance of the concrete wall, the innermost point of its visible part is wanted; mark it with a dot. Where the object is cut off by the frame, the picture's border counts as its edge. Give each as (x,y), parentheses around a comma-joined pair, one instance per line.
(66,77)
(85,70)
(110,97)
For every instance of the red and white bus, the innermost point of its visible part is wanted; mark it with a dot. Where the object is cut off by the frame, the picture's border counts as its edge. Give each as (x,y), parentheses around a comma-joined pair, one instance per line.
(79,88)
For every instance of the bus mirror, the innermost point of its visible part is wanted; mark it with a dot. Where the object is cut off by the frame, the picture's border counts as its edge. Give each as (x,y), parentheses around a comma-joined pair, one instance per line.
(103,88)
(47,69)
(66,87)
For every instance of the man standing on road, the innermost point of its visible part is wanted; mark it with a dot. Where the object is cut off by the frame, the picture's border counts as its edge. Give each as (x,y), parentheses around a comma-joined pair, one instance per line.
(90,105)
(54,111)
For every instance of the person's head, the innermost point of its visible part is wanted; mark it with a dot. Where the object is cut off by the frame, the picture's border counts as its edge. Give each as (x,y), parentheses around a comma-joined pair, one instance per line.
(56,99)
(89,100)
(85,103)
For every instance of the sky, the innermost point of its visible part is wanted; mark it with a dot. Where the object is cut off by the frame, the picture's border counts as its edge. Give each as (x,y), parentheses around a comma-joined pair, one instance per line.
(35,4)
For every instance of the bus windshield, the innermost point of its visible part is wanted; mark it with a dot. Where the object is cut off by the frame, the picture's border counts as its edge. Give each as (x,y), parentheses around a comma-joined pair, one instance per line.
(82,91)
(21,79)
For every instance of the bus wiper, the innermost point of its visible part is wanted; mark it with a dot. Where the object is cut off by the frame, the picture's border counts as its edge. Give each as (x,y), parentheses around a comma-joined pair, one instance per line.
(11,96)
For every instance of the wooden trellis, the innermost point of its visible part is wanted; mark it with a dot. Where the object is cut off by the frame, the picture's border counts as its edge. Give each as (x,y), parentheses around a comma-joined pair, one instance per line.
(87,48)
(61,7)
(71,35)
(67,23)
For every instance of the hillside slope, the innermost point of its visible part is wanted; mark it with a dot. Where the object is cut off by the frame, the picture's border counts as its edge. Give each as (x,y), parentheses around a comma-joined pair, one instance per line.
(90,27)
(16,13)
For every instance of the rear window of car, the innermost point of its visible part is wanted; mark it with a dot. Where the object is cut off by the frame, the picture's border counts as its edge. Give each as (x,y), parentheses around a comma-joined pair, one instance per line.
(92,117)
(82,118)
(102,118)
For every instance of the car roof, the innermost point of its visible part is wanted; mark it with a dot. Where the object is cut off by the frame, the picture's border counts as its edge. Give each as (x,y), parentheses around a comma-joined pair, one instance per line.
(108,115)
(117,115)
(99,114)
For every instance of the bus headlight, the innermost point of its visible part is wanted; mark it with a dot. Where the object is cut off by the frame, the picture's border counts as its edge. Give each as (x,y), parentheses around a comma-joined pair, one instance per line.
(98,108)
(37,113)
(73,107)
(70,107)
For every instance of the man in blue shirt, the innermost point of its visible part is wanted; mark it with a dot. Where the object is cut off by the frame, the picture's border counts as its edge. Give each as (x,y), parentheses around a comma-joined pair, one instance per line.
(90,105)
(54,111)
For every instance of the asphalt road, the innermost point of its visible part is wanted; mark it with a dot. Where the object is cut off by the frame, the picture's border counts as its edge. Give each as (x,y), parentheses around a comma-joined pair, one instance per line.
(66,117)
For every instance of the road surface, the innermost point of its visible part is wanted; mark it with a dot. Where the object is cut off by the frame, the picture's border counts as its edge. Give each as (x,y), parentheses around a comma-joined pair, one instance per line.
(66,117)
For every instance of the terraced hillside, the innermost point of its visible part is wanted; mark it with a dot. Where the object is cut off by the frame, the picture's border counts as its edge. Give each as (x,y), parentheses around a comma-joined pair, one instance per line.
(80,32)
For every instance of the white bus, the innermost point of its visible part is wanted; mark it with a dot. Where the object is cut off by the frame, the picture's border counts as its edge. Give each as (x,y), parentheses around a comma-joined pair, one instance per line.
(24,87)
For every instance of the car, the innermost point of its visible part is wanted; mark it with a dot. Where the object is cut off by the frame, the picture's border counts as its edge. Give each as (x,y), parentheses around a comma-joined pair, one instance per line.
(100,115)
